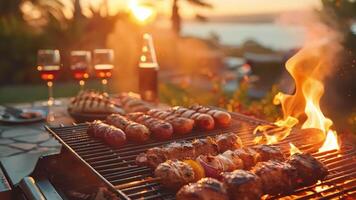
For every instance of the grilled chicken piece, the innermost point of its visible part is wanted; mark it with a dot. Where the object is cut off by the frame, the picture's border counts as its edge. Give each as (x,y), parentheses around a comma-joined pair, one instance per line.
(221,118)
(269,152)
(188,150)
(132,102)
(242,185)
(205,189)
(228,141)
(175,174)
(248,155)
(277,177)
(93,102)
(309,169)
(225,162)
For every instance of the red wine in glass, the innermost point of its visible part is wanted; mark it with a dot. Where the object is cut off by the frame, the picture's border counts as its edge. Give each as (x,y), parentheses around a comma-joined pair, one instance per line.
(80,64)
(103,65)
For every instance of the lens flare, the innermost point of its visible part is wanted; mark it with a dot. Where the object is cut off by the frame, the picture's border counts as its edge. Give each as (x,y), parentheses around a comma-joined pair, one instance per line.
(141,13)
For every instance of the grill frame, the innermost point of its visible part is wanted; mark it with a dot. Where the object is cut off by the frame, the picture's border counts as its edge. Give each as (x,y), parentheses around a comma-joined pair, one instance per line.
(126,190)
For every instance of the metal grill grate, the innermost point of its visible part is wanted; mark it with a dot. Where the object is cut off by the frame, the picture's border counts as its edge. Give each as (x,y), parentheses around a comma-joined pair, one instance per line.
(118,169)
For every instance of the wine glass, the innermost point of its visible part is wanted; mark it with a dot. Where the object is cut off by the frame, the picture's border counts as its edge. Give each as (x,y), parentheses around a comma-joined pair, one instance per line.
(79,65)
(48,64)
(103,60)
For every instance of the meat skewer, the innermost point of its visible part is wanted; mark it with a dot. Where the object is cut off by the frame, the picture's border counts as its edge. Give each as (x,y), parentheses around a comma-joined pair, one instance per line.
(212,166)
(221,118)
(160,129)
(181,125)
(134,131)
(271,177)
(202,121)
(110,134)
(189,150)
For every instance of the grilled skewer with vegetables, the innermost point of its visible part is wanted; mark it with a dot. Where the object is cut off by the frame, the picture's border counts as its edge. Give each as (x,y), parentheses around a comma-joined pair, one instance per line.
(269,177)
(189,149)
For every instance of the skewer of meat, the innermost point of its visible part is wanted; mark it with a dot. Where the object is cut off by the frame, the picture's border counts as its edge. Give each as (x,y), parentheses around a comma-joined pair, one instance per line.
(271,177)
(202,121)
(221,118)
(181,125)
(212,166)
(110,134)
(189,150)
(134,131)
(160,129)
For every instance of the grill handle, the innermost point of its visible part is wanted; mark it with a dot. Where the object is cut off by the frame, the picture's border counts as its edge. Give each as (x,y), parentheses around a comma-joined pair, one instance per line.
(30,189)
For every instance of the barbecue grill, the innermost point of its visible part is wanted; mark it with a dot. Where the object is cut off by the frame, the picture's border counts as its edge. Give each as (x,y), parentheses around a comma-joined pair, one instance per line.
(116,168)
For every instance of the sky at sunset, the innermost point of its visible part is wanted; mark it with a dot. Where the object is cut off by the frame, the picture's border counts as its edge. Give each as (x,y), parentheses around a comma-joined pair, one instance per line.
(221,7)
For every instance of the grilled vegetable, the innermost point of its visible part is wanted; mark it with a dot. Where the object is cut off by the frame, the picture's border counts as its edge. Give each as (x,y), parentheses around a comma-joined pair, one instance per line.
(199,171)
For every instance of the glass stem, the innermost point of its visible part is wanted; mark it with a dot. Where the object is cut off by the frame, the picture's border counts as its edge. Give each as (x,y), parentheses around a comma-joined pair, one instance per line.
(104,83)
(50,93)
(82,84)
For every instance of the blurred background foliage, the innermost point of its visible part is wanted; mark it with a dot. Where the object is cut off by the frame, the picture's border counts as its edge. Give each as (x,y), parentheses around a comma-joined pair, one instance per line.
(29,25)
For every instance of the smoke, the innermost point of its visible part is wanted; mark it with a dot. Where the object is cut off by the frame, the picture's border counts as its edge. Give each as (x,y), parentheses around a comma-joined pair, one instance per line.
(312,64)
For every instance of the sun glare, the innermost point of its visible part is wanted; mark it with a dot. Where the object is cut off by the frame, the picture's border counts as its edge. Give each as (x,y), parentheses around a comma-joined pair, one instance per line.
(141,13)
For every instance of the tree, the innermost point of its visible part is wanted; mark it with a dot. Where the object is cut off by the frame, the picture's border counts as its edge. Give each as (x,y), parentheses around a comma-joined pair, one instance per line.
(176,18)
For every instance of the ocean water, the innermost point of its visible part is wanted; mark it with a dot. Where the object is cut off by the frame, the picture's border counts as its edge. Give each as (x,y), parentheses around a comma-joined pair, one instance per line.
(278,37)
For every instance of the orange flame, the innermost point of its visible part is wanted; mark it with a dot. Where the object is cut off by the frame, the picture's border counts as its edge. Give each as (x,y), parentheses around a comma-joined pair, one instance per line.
(293,149)
(331,142)
(308,67)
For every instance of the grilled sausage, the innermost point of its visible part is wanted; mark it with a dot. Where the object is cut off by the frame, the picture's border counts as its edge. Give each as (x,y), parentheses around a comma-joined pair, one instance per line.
(181,125)
(202,121)
(160,129)
(221,118)
(110,134)
(134,131)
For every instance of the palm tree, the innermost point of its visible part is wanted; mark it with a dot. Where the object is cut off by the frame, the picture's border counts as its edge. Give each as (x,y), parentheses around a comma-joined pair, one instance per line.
(48,8)
(176,19)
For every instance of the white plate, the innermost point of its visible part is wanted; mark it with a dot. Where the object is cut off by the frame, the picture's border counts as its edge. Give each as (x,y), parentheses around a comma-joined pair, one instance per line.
(15,120)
